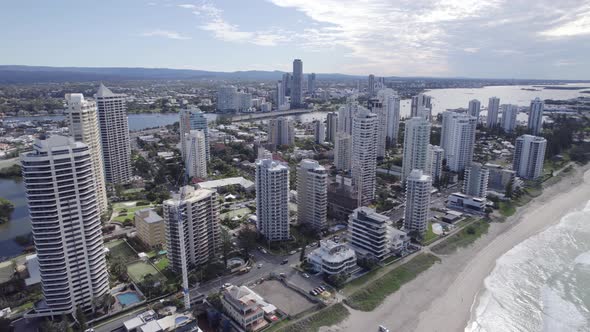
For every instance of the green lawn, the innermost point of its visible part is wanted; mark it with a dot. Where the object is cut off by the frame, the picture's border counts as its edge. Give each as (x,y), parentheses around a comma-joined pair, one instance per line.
(239,212)
(430,236)
(120,248)
(463,238)
(507,208)
(372,295)
(138,270)
(162,263)
(122,216)
(132,190)
(326,317)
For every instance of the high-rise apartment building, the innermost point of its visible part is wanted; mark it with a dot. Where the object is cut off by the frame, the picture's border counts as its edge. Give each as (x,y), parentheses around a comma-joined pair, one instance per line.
(312,194)
(230,100)
(436,154)
(343,151)
(114,135)
(193,119)
(474,108)
(311,84)
(377,107)
(83,127)
(297,87)
(476,180)
(391,103)
(364,155)
(195,154)
(421,106)
(458,139)
(286,82)
(535,122)
(368,233)
(319,131)
(418,187)
(281,131)
(63,205)
(416,142)
(345,115)
(272,200)
(192,214)
(493,109)
(371,85)
(529,155)
(508,122)
(280,95)
(331,126)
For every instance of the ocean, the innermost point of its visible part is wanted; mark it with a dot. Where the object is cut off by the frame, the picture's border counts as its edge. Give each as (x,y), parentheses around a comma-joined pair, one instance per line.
(542,284)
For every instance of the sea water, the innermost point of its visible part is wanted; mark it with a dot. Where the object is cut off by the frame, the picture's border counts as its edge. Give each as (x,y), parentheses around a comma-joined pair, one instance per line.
(542,284)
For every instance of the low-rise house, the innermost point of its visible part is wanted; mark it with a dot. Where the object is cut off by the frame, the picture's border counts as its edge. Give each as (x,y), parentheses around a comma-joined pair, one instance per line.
(332,258)
(246,307)
(466,202)
(399,241)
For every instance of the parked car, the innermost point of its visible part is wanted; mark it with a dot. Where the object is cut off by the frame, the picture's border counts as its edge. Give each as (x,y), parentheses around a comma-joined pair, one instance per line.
(313,292)
(383,329)
(264,251)
(285,261)
(305,275)
(259,265)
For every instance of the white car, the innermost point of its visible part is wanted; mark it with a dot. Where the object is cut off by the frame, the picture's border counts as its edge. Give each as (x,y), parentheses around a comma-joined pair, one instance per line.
(383,329)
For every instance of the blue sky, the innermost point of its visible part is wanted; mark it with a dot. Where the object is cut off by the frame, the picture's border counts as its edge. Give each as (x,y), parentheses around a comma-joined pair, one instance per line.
(490,38)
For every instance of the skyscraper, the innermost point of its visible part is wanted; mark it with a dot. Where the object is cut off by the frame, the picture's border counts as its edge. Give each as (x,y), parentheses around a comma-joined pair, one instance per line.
(230,100)
(331,126)
(114,134)
(416,142)
(286,82)
(280,95)
(509,113)
(377,107)
(474,108)
(272,200)
(476,180)
(195,154)
(193,119)
(536,116)
(61,192)
(364,155)
(421,106)
(418,187)
(343,151)
(297,88)
(435,162)
(493,109)
(83,127)
(311,84)
(458,139)
(371,85)
(319,131)
(281,131)
(312,194)
(391,103)
(199,213)
(529,155)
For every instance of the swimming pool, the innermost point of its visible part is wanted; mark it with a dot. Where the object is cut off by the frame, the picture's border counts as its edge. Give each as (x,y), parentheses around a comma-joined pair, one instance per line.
(127,299)
(181,320)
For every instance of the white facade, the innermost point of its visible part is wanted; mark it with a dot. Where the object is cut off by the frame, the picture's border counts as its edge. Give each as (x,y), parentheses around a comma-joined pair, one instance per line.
(509,114)
(536,116)
(61,194)
(332,258)
(529,155)
(391,103)
(297,86)
(369,233)
(474,108)
(416,142)
(476,180)
(342,151)
(331,126)
(193,119)
(272,200)
(229,99)
(493,109)
(114,134)
(345,115)
(377,107)
(319,132)
(281,131)
(195,154)
(200,226)
(421,106)
(83,127)
(364,155)
(458,139)
(436,154)
(418,187)
(312,194)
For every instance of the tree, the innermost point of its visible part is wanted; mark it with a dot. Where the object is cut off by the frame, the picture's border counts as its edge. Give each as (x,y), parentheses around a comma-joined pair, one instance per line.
(6,208)
(337,280)
(5,325)
(81,318)
(302,253)
(247,237)
(508,190)
(225,245)
(119,269)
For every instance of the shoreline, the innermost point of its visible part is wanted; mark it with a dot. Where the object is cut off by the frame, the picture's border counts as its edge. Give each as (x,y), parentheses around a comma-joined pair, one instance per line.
(445,297)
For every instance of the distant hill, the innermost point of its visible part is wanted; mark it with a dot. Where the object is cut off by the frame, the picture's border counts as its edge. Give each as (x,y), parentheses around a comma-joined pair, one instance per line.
(10,74)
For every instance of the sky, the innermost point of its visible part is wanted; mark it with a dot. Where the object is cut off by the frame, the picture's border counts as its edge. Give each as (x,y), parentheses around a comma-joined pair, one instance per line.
(438,38)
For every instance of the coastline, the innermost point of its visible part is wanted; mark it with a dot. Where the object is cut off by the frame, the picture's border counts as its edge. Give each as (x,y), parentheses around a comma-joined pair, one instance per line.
(441,298)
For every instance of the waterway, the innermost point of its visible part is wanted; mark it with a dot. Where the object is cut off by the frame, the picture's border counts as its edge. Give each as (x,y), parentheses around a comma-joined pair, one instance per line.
(20,223)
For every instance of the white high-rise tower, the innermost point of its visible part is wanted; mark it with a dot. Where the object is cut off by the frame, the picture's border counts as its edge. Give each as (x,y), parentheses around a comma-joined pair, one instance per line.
(297,87)
(476,180)
(474,108)
(114,133)
(364,154)
(421,106)
(272,200)
(493,109)
(529,155)
(312,194)
(193,119)
(416,142)
(509,114)
(536,116)
(458,139)
(418,187)
(83,127)
(63,205)
(195,154)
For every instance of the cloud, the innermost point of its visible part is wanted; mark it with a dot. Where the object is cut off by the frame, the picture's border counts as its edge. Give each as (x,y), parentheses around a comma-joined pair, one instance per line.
(572,24)
(471,49)
(166,34)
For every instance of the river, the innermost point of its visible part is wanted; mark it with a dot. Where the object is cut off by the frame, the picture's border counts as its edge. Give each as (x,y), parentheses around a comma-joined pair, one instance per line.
(20,223)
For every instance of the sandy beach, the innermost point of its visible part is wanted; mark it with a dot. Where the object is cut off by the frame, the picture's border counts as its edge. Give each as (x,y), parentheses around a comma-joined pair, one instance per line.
(441,298)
